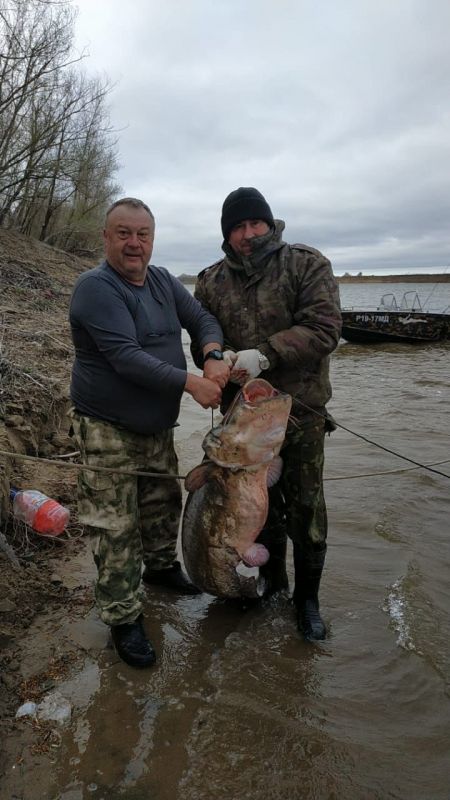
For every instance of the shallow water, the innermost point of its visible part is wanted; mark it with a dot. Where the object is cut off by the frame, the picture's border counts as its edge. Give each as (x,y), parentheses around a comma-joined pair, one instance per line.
(238,706)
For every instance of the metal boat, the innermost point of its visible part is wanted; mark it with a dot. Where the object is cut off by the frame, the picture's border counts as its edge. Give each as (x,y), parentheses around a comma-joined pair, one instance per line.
(393,322)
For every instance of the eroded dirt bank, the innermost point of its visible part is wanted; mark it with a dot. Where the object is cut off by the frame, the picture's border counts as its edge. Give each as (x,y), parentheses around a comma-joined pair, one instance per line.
(35,359)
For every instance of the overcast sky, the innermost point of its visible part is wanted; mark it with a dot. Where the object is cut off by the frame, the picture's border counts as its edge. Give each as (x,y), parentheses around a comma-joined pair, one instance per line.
(338,111)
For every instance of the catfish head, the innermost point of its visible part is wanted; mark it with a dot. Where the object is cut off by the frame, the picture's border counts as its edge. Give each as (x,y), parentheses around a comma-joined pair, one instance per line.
(253,429)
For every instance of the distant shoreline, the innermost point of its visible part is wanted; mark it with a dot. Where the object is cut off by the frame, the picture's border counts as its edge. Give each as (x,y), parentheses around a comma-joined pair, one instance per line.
(439,277)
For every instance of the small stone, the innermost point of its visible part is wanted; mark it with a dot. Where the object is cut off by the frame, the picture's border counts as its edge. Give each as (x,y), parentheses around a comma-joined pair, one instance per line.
(6,606)
(55,578)
(55,708)
(15,421)
(27,709)
(9,681)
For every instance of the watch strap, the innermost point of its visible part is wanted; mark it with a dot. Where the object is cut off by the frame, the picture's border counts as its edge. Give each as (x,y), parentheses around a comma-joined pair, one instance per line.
(217,355)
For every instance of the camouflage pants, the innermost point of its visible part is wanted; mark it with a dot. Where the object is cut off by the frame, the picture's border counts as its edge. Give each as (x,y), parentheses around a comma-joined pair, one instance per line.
(296,502)
(131,519)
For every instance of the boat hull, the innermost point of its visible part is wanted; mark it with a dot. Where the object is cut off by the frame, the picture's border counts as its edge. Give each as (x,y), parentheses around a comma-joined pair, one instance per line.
(394,326)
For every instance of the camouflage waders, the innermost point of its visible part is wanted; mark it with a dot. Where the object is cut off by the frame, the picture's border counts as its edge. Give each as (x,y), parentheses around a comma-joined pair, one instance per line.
(302,484)
(306,518)
(130,519)
(296,504)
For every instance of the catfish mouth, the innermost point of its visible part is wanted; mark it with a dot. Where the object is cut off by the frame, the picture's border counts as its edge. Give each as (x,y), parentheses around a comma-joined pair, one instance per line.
(253,393)
(253,428)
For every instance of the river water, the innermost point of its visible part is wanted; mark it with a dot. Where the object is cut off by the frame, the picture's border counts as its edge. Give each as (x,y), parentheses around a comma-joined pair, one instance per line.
(238,705)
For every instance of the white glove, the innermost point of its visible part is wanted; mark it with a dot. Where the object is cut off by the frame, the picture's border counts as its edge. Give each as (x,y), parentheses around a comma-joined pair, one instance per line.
(246,366)
(229,358)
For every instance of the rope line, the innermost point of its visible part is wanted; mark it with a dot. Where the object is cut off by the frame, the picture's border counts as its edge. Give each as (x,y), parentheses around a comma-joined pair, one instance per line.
(88,468)
(386,472)
(369,441)
(56,463)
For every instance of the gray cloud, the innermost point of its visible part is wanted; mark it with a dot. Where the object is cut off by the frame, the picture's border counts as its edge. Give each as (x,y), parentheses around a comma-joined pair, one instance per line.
(338,113)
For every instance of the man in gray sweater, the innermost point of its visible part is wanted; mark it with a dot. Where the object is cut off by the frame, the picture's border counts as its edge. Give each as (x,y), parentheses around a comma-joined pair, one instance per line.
(128,378)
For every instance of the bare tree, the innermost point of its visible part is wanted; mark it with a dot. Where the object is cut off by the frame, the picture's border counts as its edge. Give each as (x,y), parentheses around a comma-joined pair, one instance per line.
(57,150)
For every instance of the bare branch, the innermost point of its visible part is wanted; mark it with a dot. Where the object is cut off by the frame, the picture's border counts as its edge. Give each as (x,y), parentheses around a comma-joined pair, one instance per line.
(57,148)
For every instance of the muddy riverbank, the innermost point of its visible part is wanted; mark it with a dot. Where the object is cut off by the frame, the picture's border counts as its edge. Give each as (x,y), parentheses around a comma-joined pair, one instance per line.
(237,705)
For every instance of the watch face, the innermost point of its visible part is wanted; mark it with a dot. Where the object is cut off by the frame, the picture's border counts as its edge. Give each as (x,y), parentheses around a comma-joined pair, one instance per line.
(217,355)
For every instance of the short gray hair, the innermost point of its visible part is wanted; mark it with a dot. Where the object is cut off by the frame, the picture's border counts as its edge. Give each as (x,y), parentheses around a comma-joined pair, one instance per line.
(132,202)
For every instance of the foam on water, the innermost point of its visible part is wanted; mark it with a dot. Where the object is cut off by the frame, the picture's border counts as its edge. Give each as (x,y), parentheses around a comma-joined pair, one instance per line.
(396,605)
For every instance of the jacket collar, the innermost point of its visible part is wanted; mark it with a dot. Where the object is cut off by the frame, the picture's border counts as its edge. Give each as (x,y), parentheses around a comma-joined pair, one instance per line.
(263,247)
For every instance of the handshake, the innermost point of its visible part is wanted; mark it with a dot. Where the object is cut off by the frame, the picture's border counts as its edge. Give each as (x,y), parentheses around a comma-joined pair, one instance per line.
(245,364)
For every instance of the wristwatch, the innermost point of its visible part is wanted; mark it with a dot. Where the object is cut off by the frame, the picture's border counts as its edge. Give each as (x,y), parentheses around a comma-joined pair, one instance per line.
(264,362)
(217,355)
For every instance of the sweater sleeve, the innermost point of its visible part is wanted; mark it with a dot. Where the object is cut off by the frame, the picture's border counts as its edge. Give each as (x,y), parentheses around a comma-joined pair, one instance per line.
(99,310)
(196,346)
(200,324)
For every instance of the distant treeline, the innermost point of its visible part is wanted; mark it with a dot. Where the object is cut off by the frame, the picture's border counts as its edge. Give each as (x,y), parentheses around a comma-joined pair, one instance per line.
(419,278)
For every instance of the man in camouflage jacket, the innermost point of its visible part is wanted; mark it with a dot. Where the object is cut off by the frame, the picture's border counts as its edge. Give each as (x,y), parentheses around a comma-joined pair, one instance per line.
(278,306)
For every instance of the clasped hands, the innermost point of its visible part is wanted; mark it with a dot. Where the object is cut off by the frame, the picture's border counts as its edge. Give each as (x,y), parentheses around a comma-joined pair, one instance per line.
(235,367)
(244,364)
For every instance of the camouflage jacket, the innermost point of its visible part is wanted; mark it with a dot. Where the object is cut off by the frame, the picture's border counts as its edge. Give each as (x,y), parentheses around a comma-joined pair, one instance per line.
(285,303)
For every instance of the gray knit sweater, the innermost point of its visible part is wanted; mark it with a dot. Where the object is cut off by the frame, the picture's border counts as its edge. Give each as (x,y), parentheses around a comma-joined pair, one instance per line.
(129,366)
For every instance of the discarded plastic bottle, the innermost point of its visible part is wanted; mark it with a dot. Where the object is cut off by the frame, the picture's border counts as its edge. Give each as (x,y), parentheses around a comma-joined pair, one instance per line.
(38,511)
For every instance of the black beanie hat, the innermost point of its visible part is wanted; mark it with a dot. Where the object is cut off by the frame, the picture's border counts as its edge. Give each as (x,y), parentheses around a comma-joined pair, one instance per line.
(244,203)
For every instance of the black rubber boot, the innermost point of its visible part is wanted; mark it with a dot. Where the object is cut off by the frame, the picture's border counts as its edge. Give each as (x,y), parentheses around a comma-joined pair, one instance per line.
(132,644)
(171,578)
(308,572)
(275,539)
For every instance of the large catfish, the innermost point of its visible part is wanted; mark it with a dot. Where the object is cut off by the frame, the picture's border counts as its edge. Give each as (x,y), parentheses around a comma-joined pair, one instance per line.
(228,501)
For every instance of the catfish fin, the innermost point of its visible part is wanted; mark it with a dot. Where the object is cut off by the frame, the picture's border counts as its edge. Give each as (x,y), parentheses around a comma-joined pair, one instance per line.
(198,476)
(274,471)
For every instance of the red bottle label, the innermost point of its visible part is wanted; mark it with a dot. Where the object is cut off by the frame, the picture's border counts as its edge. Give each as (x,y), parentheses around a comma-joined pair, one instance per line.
(51,518)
